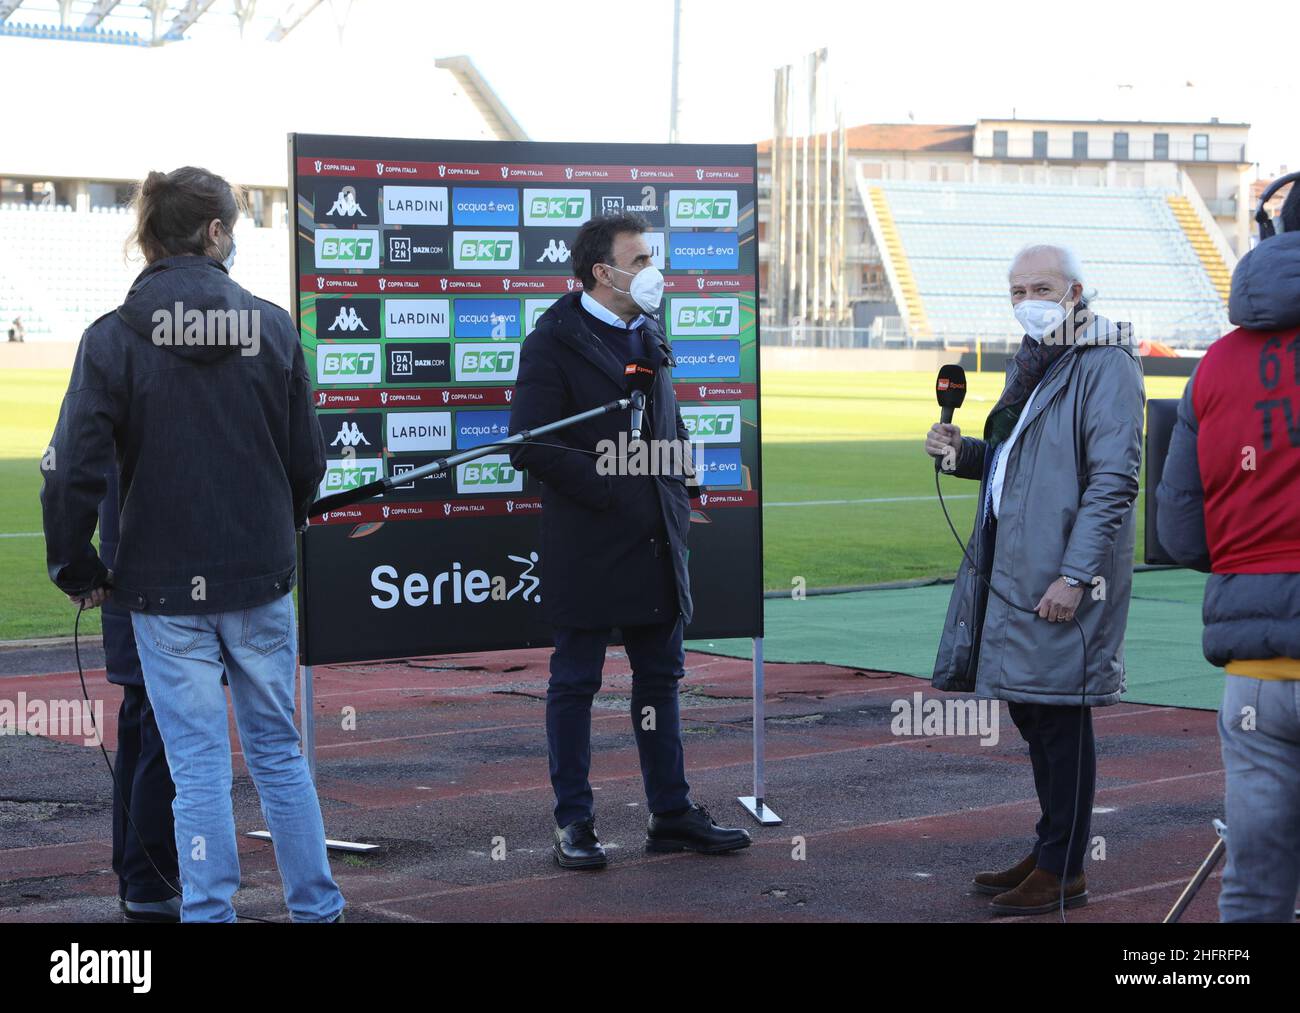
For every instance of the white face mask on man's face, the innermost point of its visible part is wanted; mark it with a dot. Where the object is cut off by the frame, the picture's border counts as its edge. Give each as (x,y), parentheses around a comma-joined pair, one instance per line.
(646,288)
(1039,317)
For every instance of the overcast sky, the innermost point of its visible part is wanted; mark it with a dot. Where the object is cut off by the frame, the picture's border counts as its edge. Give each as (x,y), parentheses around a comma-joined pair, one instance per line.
(602,70)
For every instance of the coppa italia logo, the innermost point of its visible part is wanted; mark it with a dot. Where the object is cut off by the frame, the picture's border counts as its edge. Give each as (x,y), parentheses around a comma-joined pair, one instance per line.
(692,317)
(347,248)
(351,473)
(702,208)
(347,364)
(493,473)
(556,207)
(487,362)
(712,423)
(494,251)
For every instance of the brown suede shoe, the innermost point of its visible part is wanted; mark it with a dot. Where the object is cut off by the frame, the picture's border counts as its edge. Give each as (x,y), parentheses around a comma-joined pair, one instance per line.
(994,883)
(1039,894)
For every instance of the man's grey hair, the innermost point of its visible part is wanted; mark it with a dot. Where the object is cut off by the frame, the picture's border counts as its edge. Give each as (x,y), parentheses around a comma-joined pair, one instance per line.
(1070,265)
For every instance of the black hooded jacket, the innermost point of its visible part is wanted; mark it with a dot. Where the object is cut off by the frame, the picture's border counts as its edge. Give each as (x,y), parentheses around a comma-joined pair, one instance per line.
(215,441)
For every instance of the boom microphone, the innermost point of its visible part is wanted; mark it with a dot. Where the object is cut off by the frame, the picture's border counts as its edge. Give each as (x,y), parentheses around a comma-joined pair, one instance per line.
(640,375)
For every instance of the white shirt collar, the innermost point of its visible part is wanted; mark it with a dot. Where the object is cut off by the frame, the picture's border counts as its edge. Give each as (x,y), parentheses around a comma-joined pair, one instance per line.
(608,316)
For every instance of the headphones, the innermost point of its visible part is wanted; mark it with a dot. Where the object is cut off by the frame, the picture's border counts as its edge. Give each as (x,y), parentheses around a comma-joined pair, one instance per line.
(1270,227)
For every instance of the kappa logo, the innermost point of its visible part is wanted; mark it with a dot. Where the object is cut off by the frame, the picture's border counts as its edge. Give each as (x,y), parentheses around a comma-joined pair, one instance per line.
(568,172)
(699,173)
(345,204)
(442,170)
(556,252)
(443,283)
(383,397)
(318,165)
(505,172)
(699,283)
(446,509)
(348,320)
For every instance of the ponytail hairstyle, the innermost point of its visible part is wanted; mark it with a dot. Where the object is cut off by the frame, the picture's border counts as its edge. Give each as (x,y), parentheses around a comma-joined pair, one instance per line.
(173,210)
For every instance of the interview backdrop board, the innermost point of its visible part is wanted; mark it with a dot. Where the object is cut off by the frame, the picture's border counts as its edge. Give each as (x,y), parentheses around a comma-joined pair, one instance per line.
(419,268)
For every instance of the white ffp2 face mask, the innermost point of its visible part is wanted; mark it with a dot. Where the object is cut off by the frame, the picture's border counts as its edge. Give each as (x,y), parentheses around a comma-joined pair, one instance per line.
(1039,317)
(646,289)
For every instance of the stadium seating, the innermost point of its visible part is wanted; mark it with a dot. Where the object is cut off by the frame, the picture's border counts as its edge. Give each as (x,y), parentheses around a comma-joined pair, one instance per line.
(958,240)
(60,269)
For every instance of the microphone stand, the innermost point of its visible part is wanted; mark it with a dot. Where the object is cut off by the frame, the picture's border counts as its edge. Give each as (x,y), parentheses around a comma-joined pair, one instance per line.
(383,485)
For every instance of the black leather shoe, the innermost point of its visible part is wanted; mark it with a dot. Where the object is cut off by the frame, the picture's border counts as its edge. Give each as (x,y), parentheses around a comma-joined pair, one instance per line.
(578,847)
(165,911)
(693,830)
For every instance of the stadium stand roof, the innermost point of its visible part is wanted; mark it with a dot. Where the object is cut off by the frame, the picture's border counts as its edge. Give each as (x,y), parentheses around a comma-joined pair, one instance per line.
(928,137)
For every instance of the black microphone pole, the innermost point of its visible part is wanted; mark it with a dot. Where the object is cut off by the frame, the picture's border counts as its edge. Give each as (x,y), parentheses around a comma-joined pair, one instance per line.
(383,485)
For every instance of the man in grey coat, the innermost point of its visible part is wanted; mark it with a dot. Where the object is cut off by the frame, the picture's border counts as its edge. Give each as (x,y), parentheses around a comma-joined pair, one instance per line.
(1054,535)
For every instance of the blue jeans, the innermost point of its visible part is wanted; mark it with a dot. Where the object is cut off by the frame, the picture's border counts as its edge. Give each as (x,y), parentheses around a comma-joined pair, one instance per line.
(1262,799)
(658,662)
(183,658)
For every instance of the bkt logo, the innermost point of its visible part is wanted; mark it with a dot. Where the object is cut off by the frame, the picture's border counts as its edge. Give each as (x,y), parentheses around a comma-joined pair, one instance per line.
(347,248)
(341,476)
(702,208)
(487,362)
(347,364)
(556,207)
(712,423)
(692,317)
(497,251)
(490,474)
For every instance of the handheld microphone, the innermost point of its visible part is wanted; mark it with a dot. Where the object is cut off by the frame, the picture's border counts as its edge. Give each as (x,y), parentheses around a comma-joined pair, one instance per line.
(950,390)
(640,375)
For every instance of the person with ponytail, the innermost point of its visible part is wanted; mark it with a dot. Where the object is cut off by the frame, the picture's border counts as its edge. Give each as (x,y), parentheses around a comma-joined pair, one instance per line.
(195,392)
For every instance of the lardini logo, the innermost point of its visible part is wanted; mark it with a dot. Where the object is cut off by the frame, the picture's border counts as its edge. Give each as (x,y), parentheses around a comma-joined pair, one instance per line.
(442,170)
(505,172)
(568,172)
(443,283)
(446,509)
(318,165)
(379,168)
(446,396)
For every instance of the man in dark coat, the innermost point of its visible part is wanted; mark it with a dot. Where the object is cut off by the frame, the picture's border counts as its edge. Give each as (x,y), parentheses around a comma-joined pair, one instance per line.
(613,543)
(1229,503)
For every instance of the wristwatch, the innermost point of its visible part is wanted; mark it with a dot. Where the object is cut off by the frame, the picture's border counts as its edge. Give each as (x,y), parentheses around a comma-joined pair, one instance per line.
(1071,581)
